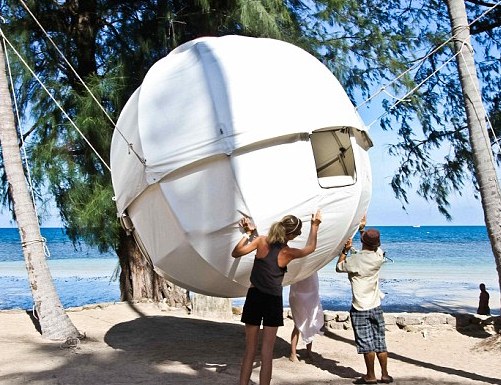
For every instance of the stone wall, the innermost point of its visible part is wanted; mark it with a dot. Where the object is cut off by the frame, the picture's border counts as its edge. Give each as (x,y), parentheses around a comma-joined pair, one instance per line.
(419,322)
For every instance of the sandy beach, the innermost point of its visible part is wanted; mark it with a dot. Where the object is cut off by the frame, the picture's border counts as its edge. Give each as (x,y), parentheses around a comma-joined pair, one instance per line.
(147,344)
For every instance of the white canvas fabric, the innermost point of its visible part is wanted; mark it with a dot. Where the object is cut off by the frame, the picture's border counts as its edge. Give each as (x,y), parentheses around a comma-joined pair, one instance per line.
(231,126)
(306,309)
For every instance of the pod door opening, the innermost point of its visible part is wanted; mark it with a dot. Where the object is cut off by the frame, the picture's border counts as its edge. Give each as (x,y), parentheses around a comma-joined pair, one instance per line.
(334,157)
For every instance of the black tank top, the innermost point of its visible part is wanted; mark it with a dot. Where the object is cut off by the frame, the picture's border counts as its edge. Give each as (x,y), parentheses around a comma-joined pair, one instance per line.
(266,275)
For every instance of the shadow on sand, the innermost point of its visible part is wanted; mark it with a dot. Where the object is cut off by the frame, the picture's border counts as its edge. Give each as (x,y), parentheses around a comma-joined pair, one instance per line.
(181,350)
(424,364)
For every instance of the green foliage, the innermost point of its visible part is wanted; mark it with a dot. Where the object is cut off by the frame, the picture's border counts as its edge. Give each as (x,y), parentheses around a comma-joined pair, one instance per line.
(78,179)
(111,45)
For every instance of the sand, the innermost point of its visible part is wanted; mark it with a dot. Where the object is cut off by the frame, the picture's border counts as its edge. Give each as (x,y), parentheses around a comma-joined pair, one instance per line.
(145,344)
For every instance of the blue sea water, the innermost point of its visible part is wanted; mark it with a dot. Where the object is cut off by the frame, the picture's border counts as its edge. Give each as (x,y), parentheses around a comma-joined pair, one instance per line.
(81,274)
(433,268)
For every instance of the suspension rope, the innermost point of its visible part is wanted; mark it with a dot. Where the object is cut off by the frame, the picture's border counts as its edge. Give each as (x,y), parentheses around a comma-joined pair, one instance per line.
(404,98)
(418,64)
(67,62)
(55,101)
(129,144)
(25,156)
(41,240)
(415,66)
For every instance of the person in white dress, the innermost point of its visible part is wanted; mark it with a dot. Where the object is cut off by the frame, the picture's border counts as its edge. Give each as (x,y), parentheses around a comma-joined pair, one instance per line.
(307,313)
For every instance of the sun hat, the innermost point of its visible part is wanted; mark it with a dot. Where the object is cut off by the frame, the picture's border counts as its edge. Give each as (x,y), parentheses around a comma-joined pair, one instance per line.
(370,238)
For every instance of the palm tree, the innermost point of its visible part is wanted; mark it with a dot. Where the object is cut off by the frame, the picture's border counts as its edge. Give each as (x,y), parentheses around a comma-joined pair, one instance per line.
(54,322)
(483,160)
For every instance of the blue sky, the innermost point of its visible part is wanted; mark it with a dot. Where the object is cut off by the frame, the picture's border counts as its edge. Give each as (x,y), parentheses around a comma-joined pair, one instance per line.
(386,210)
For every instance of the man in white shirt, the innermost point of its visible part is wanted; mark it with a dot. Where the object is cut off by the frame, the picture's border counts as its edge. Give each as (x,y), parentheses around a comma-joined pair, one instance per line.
(366,313)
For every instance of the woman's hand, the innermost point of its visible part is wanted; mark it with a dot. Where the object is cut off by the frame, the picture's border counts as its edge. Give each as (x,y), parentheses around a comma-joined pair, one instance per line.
(248,243)
(316,218)
(247,224)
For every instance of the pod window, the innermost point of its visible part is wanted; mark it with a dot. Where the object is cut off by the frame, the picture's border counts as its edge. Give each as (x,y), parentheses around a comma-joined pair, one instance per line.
(334,158)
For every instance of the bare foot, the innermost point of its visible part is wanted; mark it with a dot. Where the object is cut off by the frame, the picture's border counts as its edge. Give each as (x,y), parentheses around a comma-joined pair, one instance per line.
(293,358)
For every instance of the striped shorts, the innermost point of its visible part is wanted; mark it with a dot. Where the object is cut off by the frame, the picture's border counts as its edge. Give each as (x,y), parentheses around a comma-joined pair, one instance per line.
(368,326)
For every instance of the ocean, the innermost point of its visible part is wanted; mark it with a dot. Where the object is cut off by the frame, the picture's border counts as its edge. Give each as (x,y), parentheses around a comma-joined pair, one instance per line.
(429,268)
(80,273)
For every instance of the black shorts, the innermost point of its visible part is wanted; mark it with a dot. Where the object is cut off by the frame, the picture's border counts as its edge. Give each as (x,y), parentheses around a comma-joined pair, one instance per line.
(264,307)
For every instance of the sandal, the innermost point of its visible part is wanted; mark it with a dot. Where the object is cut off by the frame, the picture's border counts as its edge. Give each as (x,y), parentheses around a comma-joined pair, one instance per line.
(362,380)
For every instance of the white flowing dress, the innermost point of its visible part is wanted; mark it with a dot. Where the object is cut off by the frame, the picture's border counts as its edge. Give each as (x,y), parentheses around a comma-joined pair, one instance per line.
(307,311)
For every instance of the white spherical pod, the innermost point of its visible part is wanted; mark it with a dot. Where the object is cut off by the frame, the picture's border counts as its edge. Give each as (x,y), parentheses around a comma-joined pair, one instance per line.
(234,126)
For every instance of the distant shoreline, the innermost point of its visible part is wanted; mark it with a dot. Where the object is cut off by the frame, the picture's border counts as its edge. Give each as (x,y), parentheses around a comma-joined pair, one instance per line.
(94,287)
(432,270)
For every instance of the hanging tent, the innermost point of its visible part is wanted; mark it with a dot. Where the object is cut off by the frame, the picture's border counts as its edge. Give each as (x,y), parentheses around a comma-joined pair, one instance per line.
(231,126)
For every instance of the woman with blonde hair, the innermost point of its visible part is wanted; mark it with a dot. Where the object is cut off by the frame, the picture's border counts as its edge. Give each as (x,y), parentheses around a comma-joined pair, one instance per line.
(263,302)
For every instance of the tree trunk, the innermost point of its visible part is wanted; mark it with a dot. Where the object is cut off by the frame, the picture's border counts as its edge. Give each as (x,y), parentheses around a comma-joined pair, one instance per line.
(485,170)
(54,322)
(138,280)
